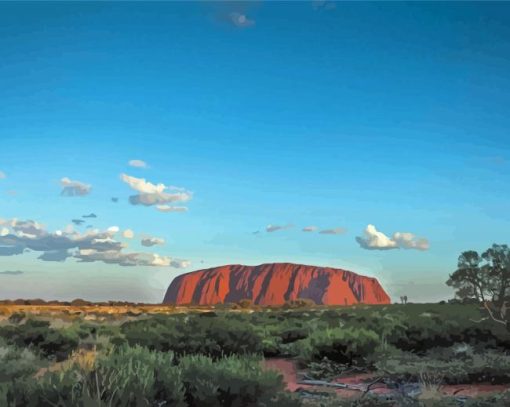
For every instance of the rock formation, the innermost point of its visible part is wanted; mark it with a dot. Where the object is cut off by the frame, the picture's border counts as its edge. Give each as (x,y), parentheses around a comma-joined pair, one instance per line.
(274,284)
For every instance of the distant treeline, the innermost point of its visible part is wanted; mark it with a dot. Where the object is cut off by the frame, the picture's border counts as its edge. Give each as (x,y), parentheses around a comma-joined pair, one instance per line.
(78,302)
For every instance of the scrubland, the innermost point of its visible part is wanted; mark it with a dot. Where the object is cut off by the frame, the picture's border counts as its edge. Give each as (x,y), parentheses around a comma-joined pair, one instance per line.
(142,355)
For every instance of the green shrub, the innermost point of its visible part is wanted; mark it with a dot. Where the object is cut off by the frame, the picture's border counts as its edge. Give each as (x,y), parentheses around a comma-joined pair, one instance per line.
(230,381)
(453,367)
(326,369)
(214,336)
(38,334)
(127,377)
(341,345)
(16,363)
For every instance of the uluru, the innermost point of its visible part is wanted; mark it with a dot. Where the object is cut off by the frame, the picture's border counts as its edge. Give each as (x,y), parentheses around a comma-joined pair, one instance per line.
(274,284)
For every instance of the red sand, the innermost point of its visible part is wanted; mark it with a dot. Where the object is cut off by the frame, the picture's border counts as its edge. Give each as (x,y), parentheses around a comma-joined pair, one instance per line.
(291,376)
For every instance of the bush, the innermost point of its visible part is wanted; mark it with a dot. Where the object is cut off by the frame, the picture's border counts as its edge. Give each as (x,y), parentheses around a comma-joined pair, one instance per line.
(231,381)
(127,377)
(326,369)
(299,303)
(49,341)
(341,345)
(214,336)
(16,363)
(454,366)
(246,303)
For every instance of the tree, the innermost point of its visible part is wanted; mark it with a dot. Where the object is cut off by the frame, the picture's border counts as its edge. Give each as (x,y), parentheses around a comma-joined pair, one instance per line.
(470,280)
(485,279)
(497,268)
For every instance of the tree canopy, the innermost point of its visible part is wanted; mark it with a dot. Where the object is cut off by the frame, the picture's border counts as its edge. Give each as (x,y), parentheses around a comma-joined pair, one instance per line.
(485,279)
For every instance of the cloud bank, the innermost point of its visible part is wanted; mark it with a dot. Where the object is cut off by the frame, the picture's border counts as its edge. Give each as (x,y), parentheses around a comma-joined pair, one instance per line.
(372,239)
(17,236)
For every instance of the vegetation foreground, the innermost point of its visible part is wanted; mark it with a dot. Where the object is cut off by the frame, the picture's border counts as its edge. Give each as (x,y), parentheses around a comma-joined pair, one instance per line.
(69,357)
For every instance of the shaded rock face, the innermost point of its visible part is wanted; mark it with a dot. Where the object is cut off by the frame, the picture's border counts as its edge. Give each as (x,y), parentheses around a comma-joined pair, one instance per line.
(274,284)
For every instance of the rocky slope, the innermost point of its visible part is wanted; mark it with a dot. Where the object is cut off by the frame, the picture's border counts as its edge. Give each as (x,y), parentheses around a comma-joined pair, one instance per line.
(273,284)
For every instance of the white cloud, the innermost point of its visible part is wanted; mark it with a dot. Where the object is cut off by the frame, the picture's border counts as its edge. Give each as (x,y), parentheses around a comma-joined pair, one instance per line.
(128,234)
(154,194)
(92,245)
(274,228)
(335,231)
(142,186)
(180,264)
(168,208)
(74,188)
(152,241)
(372,239)
(113,229)
(310,228)
(409,241)
(241,20)
(137,164)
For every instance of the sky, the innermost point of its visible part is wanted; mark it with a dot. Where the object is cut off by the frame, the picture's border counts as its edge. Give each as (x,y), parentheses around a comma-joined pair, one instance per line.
(372,137)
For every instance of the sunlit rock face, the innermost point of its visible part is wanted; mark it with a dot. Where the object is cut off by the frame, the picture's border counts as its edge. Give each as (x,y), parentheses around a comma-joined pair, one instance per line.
(274,284)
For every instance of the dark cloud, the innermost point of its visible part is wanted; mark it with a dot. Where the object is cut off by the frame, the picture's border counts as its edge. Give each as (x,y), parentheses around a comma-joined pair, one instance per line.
(152,241)
(77,222)
(11,272)
(90,215)
(10,251)
(115,199)
(55,255)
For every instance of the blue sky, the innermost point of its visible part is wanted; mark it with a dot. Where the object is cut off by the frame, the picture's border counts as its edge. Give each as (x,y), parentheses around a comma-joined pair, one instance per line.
(333,115)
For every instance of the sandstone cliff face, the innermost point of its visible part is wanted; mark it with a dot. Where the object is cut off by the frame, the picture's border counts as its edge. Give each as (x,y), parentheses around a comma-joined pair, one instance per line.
(273,284)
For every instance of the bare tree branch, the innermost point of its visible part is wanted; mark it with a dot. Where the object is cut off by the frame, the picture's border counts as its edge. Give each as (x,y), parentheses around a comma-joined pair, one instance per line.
(492,315)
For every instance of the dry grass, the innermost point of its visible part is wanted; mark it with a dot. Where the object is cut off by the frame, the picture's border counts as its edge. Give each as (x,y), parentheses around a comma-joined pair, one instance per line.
(95,312)
(430,383)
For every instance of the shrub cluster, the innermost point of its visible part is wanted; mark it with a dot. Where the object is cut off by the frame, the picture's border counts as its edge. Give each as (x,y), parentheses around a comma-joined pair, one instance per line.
(41,337)
(136,376)
(204,334)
